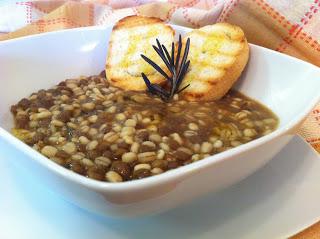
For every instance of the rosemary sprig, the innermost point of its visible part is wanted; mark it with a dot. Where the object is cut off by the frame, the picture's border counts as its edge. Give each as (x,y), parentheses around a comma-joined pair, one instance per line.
(177,67)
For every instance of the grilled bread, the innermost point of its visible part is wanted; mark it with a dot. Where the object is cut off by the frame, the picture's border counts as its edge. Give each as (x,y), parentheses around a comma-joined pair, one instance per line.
(131,37)
(218,54)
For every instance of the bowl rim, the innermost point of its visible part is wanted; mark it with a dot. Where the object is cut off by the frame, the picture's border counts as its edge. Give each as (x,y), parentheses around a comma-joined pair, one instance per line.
(171,175)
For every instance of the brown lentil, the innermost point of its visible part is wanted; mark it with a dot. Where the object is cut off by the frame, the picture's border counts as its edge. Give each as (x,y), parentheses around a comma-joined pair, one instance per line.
(78,168)
(111,135)
(173,144)
(172,164)
(121,168)
(141,173)
(96,173)
(159,163)
(62,154)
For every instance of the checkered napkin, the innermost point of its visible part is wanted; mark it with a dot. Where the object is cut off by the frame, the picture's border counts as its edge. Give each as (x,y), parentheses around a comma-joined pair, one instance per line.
(288,26)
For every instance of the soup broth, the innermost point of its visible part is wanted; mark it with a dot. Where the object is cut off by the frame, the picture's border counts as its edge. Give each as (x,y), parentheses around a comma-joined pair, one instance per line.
(108,134)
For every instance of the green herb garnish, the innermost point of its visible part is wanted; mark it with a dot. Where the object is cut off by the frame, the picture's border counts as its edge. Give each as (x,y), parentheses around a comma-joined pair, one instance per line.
(177,67)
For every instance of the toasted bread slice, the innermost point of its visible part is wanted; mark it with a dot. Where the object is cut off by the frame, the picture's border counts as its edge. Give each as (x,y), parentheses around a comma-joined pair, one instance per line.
(218,54)
(131,37)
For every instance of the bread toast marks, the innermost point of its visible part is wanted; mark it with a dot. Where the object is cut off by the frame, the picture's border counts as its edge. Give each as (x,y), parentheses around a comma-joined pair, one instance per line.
(218,54)
(131,37)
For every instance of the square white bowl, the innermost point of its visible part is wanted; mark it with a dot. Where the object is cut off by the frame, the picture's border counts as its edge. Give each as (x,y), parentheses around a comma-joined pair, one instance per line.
(288,86)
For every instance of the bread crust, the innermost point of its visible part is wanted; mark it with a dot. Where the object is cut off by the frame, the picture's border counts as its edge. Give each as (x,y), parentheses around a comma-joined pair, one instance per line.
(120,75)
(218,87)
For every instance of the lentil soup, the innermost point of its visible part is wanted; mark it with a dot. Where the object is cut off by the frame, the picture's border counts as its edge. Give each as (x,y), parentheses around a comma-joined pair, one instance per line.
(112,135)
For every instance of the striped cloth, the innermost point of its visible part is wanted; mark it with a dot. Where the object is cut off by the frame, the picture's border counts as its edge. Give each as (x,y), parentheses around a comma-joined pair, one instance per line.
(288,26)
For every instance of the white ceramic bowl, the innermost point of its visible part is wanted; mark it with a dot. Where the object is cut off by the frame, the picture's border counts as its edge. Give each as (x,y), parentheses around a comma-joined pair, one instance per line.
(288,86)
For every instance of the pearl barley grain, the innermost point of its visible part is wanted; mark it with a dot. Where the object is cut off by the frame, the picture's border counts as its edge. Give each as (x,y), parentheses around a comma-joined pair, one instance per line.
(49,151)
(113,177)
(129,157)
